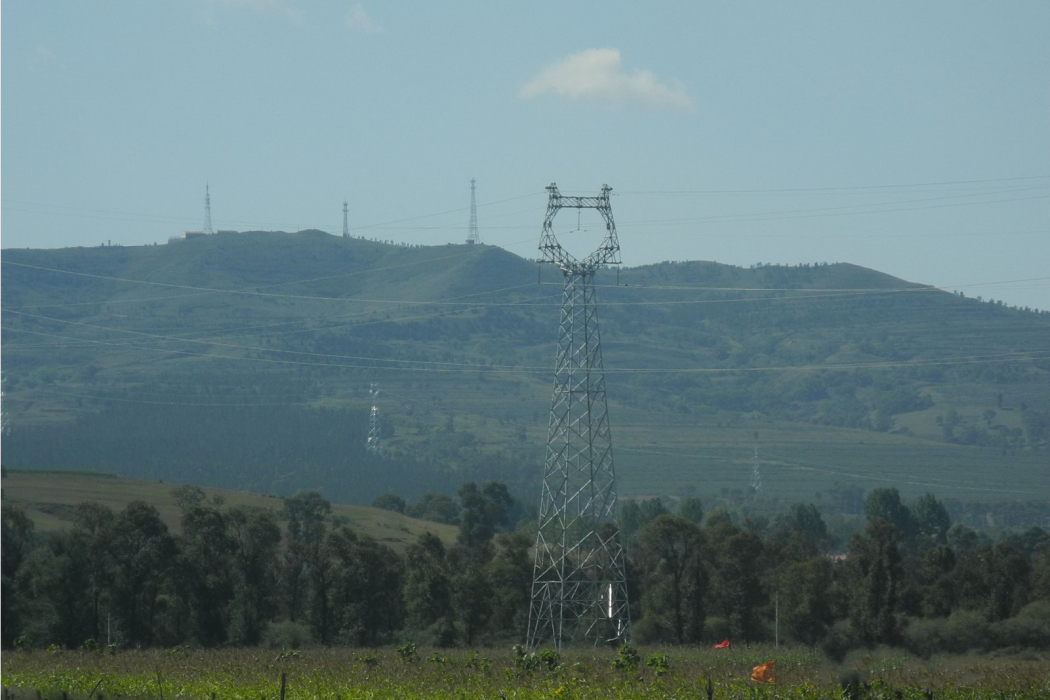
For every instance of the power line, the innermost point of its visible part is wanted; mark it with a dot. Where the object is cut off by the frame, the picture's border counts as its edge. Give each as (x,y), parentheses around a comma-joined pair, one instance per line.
(432,366)
(834,211)
(252,291)
(835,189)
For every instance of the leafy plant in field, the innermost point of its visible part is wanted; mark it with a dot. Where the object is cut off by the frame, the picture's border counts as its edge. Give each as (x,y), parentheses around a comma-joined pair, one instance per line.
(530,661)
(659,663)
(627,658)
(407,652)
(477,661)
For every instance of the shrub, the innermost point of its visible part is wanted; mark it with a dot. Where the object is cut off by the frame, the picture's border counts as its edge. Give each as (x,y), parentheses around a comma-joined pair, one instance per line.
(627,658)
(659,663)
(287,635)
(1029,628)
(407,652)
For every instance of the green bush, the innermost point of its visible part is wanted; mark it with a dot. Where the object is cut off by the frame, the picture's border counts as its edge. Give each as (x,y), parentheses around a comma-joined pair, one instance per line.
(1029,628)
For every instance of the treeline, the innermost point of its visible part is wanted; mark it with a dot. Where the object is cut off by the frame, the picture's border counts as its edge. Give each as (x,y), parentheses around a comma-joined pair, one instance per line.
(235,576)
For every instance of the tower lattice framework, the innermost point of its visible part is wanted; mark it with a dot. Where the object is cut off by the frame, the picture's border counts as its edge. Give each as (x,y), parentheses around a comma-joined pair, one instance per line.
(375,442)
(472,229)
(207,210)
(579,589)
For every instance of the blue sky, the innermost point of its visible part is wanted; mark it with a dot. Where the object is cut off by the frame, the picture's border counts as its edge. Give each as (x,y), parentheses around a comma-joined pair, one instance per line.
(910,137)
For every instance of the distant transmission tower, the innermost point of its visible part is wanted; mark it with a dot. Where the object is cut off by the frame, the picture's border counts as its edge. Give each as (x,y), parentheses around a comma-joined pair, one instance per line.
(207,211)
(579,589)
(374,435)
(756,474)
(346,221)
(472,232)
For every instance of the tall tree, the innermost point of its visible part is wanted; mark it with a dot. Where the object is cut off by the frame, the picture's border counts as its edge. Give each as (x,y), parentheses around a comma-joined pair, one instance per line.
(875,563)
(736,589)
(510,574)
(428,594)
(369,578)
(255,537)
(886,504)
(932,521)
(143,552)
(205,564)
(95,523)
(669,548)
(472,592)
(804,599)
(306,513)
(16,535)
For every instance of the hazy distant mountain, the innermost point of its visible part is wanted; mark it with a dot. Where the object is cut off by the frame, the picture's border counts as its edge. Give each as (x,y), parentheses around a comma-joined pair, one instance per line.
(244,361)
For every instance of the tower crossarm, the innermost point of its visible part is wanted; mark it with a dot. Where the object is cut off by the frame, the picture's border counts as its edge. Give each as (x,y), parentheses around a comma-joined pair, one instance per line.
(608,253)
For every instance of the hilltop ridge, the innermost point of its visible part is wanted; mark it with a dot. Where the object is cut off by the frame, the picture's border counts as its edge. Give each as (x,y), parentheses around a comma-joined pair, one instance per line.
(837,373)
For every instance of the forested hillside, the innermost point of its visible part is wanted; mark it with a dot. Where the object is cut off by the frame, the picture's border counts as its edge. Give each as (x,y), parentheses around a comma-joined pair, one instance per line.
(245,361)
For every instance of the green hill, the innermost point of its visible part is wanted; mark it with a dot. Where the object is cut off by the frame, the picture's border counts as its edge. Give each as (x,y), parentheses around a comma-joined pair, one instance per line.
(244,361)
(49,498)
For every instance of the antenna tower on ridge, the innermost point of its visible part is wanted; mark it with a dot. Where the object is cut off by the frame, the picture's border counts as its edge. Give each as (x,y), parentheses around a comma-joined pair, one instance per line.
(579,586)
(207,212)
(375,446)
(472,231)
(346,224)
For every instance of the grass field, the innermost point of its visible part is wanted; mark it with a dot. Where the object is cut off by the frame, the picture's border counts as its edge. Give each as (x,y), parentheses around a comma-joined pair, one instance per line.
(352,674)
(49,498)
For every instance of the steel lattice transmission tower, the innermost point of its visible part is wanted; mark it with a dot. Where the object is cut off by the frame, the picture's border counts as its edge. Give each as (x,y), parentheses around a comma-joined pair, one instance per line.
(472,231)
(374,434)
(579,589)
(756,474)
(207,211)
(346,220)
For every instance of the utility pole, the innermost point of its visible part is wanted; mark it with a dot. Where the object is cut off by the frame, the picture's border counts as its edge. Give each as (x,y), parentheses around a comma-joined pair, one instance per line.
(579,588)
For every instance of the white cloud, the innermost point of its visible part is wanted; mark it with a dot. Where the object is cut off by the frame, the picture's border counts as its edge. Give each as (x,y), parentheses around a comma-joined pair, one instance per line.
(48,57)
(358,20)
(596,74)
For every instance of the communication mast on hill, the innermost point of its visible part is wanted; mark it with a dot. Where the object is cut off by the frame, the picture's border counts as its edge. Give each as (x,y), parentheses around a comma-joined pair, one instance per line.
(207,212)
(346,221)
(579,588)
(472,232)
(375,446)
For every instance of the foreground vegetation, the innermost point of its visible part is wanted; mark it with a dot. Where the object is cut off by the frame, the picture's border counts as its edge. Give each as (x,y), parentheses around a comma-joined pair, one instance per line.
(234,575)
(407,673)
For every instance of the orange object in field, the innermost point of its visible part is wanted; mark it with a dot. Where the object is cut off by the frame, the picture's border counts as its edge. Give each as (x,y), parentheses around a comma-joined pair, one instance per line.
(763,673)
(724,644)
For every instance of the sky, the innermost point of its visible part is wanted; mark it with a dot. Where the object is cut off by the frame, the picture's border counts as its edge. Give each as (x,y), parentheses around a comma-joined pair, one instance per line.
(908,137)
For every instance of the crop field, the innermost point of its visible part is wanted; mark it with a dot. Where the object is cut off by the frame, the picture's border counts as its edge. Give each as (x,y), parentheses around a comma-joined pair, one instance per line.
(407,673)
